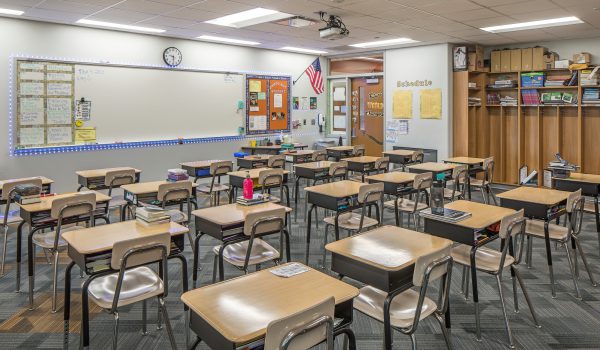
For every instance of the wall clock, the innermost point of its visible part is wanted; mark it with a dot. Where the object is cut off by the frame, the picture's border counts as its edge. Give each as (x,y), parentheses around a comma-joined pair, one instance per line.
(172,56)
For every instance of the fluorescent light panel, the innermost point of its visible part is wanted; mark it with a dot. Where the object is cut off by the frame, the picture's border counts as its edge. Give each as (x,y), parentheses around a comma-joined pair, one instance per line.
(11,12)
(554,22)
(227,40)
(303,50)
(119,26)
(388,42)
(249,17)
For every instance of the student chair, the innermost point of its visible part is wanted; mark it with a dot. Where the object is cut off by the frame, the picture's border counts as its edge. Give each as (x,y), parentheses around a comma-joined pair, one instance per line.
(420,192)
(416,158)
(11,218)
(135,281)
(117,178)
(304,329)
(253,251)
(277,161)
(215,188)
(484,185)
(494,262)
(458,184)
(177,193)
(563,235)
(381,166)
(319,156)
(273,178)
(589,208)
(358,151)
(368,196)
(66,210)
(406,309)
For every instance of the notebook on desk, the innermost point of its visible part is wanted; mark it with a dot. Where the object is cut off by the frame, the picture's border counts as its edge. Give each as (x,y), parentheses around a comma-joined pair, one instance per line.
(449,215)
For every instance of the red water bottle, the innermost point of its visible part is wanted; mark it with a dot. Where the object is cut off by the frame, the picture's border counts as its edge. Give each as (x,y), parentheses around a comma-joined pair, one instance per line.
(248,187)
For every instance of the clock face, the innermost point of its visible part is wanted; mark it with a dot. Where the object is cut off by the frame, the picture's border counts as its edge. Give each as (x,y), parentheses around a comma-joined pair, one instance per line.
(172,56)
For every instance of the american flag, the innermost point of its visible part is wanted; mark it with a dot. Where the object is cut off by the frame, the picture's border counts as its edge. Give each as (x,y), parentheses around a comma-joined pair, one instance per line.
(314,74)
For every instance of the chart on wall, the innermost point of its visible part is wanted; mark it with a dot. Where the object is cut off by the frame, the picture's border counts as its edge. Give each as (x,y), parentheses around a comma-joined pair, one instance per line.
(268,107)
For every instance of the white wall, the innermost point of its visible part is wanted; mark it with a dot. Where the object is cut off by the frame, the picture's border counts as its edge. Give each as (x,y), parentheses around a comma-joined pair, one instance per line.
(62,41)
(422,63)
(564,48)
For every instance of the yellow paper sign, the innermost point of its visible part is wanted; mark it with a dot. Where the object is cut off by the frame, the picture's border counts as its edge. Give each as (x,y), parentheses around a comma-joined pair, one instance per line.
(254,86)
(402,104)
(85,134)
(431,104)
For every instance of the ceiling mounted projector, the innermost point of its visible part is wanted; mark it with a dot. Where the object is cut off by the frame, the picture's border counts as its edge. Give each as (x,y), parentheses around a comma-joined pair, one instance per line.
(335,29)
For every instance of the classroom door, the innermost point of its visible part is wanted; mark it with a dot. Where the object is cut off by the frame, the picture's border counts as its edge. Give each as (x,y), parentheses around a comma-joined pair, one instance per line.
(367,114)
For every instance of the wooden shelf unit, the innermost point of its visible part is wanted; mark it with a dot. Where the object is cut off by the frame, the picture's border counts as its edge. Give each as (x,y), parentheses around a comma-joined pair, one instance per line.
(523,134)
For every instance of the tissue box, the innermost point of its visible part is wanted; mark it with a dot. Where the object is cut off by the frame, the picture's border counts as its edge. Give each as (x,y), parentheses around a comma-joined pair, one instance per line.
(562,63)
(582,57)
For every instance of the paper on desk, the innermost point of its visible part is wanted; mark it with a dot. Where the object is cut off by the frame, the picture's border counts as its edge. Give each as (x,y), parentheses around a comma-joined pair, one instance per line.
(289,270)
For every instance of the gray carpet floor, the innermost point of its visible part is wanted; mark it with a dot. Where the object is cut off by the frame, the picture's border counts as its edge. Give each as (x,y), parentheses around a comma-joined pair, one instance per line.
(567,323)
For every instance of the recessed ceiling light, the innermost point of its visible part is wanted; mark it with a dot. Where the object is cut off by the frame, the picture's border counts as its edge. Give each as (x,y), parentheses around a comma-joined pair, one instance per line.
(249,17)
(303,50)
(227,40)
(119,26)
(11,12)
(388,42)
(554,22)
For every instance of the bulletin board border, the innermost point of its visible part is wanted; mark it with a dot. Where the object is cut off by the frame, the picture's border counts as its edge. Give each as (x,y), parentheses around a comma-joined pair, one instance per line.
(288,78)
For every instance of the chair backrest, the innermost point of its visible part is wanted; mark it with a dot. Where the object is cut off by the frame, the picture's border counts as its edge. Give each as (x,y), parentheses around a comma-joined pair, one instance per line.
(382,163)
(9,186)
(572,199)
(220,168)
(423,181)
(424,262)
(319,156)
(277,161)
(270,177)
(488,168)
(77,204)
(304,329)
(121,248)
(262,222)
(173,191)
(359,150)
(370,193)
(338,169)
(507,225)
(417,156)
(119,177)
(459,175)
(575,204)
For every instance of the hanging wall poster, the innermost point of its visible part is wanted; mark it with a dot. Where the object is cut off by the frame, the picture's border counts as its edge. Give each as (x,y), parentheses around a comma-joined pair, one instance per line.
(431,104)
(313,103)
(295,103)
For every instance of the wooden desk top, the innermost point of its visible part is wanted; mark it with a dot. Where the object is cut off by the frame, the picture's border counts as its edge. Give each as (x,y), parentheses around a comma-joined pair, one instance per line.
(241,308)
(465,160)
(340,148)
(339,189)
(102,172)
(46,202)
(539,195)
(433,167)
(400,152)
(45,180)
(262,157)
(200,163)
(254,173)
(482,215)
(580,177)
(102,238)
(300,152)
(232,214)
(324,164)
(147,187)
(361,159)
(395,177)
(389,248)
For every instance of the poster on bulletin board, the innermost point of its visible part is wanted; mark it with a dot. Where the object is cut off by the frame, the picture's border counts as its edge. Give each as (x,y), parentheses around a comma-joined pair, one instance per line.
(269,104)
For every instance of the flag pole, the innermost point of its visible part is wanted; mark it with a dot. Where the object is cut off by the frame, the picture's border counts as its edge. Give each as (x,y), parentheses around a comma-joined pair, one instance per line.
(295,81)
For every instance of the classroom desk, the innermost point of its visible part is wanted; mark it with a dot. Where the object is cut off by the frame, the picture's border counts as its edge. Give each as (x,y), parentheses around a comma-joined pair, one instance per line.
(94,179)
(46,184)
(252,162)
(399,156)
(539,203)
(273,149)
(91,249)
(146,192)
(362,164)
(37,217)
(234,313)
(396,184)
(431,167)
(298,156)
(340,197)
(474,165)
(472,231)
(200,169)
(589,185)
(383,258)
(226,223)
(311,171)
(236,180)
(339,152)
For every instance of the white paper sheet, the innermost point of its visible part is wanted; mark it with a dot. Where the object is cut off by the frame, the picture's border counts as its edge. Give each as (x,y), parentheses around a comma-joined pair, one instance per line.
(277,100)
(339,121)
(58,89)
(59,111)
(59,77)
(32,66)
(31,76)
(31,111)
(257,122)
(59,67)
(339,94)
(59,134)
(31,89)
(31,136)
(304,103)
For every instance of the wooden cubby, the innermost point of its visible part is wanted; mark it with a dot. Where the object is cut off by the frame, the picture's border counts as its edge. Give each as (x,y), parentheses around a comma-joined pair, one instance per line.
(524,134)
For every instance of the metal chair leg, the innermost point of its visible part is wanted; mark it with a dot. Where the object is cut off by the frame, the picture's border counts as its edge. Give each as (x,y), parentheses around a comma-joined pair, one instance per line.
(445,333)
(467,283)
(413,341)
(585,263)
(159,318)
(571,267)
(144,317)
(215,266)
(477,322)
(167,323)
(324,244)
(515,296)
(115,331)
(510,339)
(529,251)
(54,280)
(483,194)
(5,244)
(529,304)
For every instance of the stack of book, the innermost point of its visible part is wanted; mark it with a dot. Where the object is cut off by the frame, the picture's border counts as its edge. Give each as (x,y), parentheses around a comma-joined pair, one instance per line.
(474,101)
(562,80)
(256,199)
(151,215)
(591,96)
(30,199)
(493,98)
(175,175)
(530,97)
(508,101)
(503,84)
(472,85)
(586,79)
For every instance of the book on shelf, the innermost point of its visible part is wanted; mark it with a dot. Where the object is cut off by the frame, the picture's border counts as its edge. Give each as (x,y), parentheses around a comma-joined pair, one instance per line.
(530,97)
(449,215)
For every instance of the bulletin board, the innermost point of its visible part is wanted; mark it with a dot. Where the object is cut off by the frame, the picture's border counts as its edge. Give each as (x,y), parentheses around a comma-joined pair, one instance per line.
(268,104)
